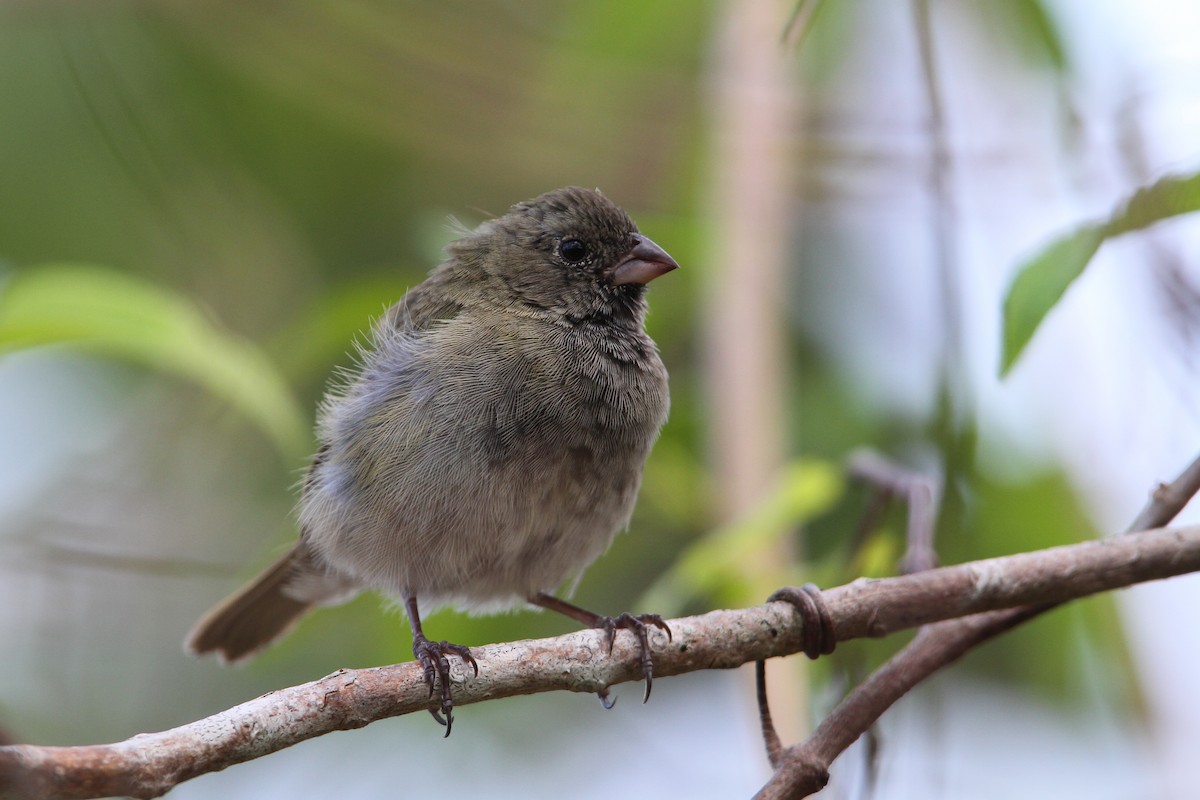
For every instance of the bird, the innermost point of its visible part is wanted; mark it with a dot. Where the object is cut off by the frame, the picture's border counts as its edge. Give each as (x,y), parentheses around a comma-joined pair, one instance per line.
(488,444)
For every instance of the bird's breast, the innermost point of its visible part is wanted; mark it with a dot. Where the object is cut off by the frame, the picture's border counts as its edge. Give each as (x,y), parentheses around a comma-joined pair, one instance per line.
(487,460)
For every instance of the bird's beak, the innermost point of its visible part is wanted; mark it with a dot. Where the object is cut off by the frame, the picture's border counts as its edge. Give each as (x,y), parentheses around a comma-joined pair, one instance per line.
(645,262)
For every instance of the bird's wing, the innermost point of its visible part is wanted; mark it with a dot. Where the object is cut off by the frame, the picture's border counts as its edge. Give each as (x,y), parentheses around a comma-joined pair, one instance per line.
(422,306)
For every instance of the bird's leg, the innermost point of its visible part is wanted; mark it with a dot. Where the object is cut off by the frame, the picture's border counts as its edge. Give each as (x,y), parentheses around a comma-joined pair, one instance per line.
(432,656)
(639,625)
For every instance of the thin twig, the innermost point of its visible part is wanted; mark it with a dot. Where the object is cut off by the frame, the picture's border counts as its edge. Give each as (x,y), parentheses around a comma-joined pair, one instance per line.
(771,740)
(1168,500)
(802,769)
(887,479)
(921,492)
(943,212)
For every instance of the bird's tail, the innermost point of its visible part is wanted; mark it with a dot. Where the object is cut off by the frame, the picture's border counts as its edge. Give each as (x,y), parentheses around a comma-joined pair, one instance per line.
(258,614)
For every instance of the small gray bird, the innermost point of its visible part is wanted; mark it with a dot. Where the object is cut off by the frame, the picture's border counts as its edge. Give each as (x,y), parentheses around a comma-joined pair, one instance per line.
(489,446)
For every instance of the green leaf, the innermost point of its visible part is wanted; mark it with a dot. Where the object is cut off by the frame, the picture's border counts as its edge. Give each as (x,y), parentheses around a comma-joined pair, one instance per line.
(1167,197)
(103,311)
(1042,281)
(1035,28)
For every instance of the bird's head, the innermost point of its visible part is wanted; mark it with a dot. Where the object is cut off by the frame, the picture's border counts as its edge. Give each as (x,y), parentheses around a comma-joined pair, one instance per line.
(570,252)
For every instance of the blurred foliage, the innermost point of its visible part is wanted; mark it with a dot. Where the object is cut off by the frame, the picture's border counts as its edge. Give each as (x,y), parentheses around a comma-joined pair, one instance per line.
(292,169)
(262,180)
(1029,28)
(1044,279)
(994,518)
(102,311)
(823,33)
(715,566)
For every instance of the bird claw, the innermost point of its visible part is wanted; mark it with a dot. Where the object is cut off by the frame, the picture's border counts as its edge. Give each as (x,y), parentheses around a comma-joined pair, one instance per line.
(639,626)
(436,667)
(605,702)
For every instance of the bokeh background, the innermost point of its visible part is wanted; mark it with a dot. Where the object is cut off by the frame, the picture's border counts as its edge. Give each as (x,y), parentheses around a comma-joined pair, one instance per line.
(202,205)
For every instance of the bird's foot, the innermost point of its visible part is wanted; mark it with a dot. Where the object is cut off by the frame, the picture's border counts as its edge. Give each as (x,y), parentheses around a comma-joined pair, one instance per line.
(433,658)
(639,625)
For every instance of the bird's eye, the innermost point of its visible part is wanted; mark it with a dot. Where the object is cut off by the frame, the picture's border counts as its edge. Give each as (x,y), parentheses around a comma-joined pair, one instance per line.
(573,251)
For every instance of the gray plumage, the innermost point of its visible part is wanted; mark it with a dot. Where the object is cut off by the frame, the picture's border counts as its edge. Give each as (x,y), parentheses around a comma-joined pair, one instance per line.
(490,445)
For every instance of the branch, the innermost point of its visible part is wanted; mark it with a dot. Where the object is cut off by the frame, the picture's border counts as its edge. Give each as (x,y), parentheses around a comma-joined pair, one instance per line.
(922,493)
(1168,500)
(148,765)
(803,769)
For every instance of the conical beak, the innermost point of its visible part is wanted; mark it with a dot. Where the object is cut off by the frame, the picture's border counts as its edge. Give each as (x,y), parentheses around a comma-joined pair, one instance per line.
(645,262)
